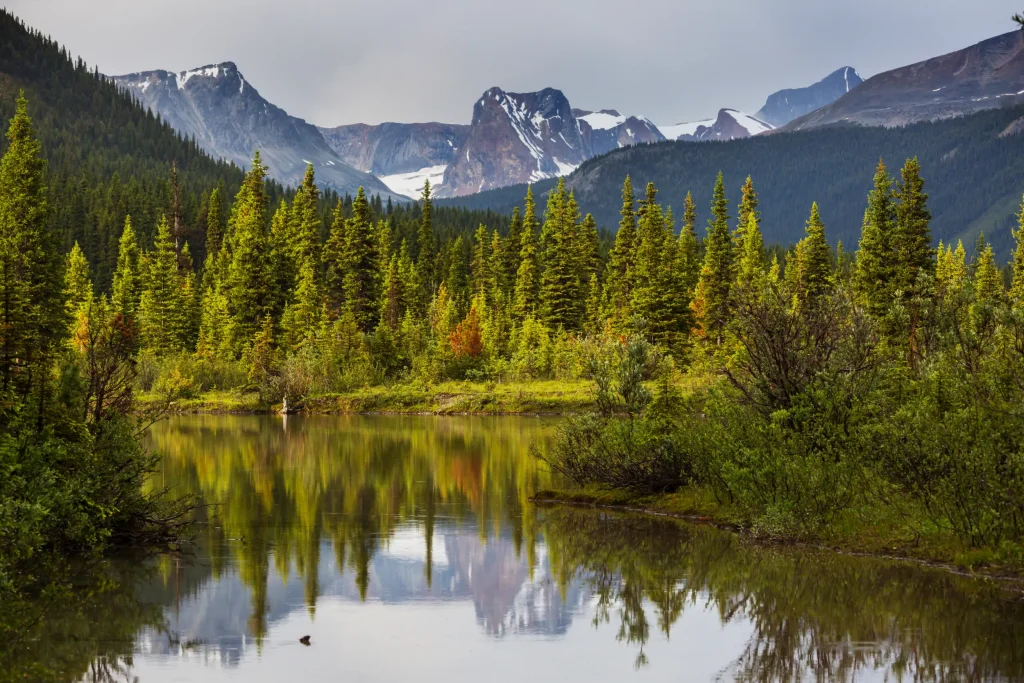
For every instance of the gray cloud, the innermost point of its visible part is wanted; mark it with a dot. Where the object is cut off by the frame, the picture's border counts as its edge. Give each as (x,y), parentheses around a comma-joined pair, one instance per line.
(409,60)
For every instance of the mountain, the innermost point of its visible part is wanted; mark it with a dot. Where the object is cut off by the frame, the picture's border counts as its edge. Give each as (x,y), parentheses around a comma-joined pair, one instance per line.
(728,125)
(516,138)
(984,76)
(230,119)
(607,129)
(973,169)
(786,105)
(402,155)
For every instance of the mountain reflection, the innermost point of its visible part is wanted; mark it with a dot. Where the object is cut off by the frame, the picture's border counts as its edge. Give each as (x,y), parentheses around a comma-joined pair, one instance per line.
(382,532)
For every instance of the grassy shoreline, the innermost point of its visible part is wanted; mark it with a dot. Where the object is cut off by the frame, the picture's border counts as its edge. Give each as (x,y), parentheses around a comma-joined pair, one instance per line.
(447,398)
(873,534)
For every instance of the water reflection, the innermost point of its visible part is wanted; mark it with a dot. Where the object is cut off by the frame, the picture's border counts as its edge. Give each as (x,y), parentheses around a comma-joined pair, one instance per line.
(407,548)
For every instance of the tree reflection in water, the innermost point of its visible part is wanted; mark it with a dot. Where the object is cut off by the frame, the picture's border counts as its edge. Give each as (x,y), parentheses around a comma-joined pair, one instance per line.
(816,615)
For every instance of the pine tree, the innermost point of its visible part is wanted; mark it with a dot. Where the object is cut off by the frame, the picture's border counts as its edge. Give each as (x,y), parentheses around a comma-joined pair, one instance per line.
(747,207)
(874,269)
(184,313)
(283,263)
(512,244)
(560,304)
(78,294)
(987,281)
(214,328)
(480,265)
(527,275)
(620,268)
(127,285)
(391,297)
(161,294)
(911,237)
(334,262)
(250,287)
(648,264)
(711,302)
(32,315)
(305,219)
(814,266)
(752,267)
(305,309)
(457,277)
(214,225)
(360,260)
(426,249)
(1017,285)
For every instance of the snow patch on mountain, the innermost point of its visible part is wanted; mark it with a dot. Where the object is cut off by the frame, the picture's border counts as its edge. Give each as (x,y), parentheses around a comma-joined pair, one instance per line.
(603,120)
(678,130)
(411,184)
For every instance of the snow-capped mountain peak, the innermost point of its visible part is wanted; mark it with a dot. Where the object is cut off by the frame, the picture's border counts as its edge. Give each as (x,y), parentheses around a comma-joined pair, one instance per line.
(730,124)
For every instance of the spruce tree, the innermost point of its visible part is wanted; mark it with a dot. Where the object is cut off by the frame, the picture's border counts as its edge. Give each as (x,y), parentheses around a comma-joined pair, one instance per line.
(619,273)
(987,280)
(305,219)
(127,286)
(512,244)
(911,237)
(480,265)
(360,260)
(334,262)
(814,267)
(711,303)
(214,225)
(161,294)
(746,209)
(250,287)
(184,313)
(647,260)
(78,294)
(1017,285)
(426,255)
(560,304)
(752,267)
(874,269)
(527,275)
(32,315)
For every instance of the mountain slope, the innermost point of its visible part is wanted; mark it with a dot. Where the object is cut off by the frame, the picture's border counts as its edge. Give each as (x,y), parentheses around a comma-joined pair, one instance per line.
(515,138)
(607,129)
(227,117)
(786,105)
(402,155)
(973,169)
(984,76)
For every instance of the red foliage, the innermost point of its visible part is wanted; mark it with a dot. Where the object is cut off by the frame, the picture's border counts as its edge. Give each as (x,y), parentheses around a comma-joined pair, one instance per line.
(466,339)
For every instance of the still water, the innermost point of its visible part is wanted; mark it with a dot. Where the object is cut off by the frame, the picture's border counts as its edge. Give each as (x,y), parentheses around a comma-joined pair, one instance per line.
(407,549)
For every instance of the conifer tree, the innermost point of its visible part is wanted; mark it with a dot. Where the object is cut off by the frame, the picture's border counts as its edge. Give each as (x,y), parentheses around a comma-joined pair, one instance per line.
(874,269)
(711,303)
(911,237)
(127,286)
(1017,285)
(527,275)
(391,297)
(215,335)
(360,260)
(752,266)
(457,277)
(747,207)
(619,273)
(334,262)
(512,244)
(648,264)
(283,262)
(161,294)
(305,218)
(250,287)
(184,313)
(814,267)
(480,265)
(214,225)
(560,304)
(689,246)
(32,315)
(987,281)
(304,311)
(426,249)
(78,292)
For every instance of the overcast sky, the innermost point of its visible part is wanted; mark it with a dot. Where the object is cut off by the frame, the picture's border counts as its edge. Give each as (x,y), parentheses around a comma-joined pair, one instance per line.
(416,60)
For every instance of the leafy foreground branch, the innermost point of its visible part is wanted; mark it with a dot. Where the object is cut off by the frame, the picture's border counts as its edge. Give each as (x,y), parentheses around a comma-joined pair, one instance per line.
(72,467)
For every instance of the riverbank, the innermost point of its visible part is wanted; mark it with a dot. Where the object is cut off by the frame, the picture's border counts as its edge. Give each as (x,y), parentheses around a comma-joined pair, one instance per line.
(446,398)
(876,531)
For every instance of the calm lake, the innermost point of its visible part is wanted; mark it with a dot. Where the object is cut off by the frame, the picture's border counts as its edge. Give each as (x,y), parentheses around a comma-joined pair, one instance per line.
(407,549)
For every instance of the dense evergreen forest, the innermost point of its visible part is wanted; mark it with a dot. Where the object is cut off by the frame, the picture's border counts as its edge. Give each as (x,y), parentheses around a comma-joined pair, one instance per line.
(974,164)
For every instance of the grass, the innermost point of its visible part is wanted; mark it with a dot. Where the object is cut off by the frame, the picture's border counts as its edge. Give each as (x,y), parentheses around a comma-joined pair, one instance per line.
(549,397)
(879,530)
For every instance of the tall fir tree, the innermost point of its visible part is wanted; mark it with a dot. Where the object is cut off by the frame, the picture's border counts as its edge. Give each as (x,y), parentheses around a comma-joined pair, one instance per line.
(78,294)
(911,237)
(159,301)
(814,265)
(127,286)
(746,209)
(712,299)
(360,261)
(874,268)
(334,262)
(620,267)
(32,315)
(527,275)
(426,254)
(1017,284)
(250,284)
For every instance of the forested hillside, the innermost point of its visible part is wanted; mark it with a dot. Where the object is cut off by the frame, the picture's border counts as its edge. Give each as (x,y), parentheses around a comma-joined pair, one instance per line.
(974,167)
